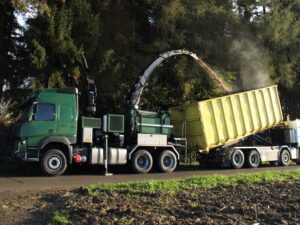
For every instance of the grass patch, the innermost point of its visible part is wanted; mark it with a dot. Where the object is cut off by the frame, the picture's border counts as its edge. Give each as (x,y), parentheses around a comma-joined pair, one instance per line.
(59,219)
(194,182)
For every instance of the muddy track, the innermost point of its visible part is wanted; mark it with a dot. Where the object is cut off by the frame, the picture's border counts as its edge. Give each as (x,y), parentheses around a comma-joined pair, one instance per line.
(265,202)
(81,177)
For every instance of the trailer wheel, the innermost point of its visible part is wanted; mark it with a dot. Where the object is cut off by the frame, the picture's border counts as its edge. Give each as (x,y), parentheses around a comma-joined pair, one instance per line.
(53,162)
(142,161)
(167,161)
(237,159)
(285,158)
(253,159)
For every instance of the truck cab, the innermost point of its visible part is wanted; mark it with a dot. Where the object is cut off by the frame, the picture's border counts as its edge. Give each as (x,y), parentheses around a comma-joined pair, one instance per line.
(50,120)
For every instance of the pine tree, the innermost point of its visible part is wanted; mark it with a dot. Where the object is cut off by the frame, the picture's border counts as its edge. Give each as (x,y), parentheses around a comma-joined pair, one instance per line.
(11,50)
(56,43)
(121,38)
(281,35)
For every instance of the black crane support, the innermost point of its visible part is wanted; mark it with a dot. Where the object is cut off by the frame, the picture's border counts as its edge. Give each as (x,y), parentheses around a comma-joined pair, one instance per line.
(261,140)
(92,90)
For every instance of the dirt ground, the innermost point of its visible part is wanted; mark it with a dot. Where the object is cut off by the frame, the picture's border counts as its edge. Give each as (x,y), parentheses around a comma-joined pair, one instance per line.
(259,203)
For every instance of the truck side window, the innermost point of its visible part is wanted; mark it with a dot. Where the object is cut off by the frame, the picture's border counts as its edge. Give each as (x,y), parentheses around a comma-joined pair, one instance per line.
(44,111)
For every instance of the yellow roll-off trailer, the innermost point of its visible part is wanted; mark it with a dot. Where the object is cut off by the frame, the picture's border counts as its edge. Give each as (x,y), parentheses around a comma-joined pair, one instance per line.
(231,129)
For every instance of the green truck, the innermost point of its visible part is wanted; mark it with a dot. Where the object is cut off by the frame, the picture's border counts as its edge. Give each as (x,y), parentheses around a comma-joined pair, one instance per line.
(54,134)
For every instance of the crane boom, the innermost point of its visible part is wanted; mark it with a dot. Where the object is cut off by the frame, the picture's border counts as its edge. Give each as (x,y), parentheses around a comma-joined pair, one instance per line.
(139,87)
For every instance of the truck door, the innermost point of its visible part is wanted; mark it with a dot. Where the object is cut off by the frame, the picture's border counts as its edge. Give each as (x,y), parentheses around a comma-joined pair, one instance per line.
(42,123)
(66,122)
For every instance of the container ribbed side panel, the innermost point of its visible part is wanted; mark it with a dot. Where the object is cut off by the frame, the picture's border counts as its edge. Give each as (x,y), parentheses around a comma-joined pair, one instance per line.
(215,122)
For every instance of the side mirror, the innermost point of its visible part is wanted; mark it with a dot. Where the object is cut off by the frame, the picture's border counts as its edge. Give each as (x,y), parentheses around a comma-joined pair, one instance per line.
(30,117)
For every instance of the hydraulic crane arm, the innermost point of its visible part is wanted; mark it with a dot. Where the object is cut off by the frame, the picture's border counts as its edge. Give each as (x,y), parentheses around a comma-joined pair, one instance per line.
(139,87)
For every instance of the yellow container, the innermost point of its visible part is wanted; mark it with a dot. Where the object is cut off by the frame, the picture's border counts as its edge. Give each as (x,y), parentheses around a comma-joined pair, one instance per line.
(219,121)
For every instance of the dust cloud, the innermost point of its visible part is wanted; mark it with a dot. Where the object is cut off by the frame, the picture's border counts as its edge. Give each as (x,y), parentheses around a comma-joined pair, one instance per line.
(252,66)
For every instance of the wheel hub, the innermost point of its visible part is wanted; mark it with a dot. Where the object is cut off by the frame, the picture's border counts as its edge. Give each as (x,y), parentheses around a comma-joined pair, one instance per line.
(285,158)
(168,162)
(54,163)
(143,162)
(254,159)
(238,159)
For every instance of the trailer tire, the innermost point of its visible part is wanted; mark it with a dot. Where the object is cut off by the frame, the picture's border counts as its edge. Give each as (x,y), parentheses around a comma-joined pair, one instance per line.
(53,162)
(253,159)
(142,161)
(237,159)
(167,161)
(285,158)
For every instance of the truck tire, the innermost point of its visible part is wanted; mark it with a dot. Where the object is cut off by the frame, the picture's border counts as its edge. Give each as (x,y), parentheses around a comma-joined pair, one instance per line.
(237,159)
(285,158)
(253,159)
(167,161)
(53,162)
(142,161)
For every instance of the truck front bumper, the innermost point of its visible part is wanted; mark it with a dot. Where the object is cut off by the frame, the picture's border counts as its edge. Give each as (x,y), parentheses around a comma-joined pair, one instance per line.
(25,153)
(20,156)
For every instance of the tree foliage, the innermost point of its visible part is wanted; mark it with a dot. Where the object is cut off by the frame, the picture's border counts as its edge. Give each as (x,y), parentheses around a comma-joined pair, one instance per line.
(244,40)
(29,6)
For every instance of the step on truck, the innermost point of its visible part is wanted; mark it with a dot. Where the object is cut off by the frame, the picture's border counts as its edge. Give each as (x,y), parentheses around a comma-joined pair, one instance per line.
(243,129)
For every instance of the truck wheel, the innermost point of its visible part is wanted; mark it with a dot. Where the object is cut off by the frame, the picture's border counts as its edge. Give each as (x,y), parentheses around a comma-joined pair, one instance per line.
(53,162)
(253,159)
(285,158)
(237,159)
(142,161)
(167,161)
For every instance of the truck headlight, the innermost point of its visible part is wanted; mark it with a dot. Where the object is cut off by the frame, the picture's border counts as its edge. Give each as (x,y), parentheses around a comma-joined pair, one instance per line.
(18,148)
(21,146)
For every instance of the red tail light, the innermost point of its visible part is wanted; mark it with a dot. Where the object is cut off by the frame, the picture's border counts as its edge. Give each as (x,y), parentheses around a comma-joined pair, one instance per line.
(77,158)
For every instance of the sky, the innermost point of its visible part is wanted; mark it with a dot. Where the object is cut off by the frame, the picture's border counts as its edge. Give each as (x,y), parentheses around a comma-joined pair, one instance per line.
(21,19)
